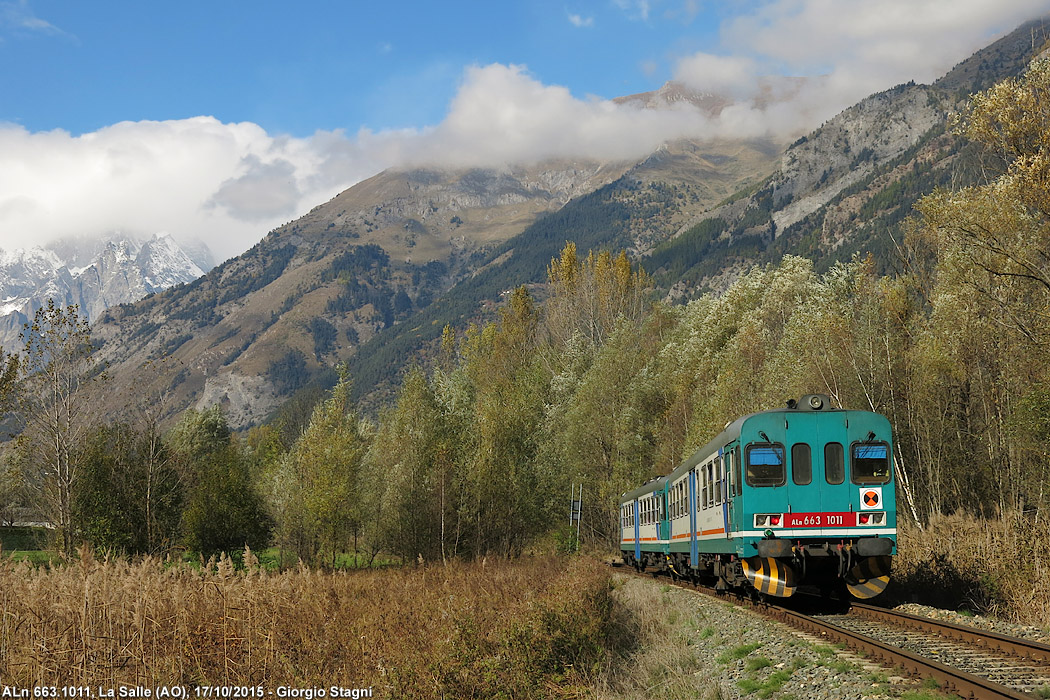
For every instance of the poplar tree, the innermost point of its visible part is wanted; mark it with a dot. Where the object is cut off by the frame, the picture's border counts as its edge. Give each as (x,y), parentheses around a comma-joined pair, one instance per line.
(313,492)
(59,363)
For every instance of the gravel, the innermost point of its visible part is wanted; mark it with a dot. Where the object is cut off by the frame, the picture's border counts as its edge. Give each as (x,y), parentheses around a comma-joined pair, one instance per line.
(1038,634)
(745,655)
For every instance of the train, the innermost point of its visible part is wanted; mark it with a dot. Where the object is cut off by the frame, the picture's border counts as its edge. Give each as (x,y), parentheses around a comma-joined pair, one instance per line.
(796,496)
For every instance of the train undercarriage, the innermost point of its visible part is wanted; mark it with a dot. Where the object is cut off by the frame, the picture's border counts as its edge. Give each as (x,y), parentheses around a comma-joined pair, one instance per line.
(860,566)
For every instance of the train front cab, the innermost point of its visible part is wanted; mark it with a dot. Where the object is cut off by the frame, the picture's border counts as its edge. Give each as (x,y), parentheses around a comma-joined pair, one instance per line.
(816,501)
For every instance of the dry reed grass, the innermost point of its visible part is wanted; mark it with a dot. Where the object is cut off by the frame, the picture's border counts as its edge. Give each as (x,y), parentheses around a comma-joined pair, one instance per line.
(1000,566)
(529,628)
(657,656)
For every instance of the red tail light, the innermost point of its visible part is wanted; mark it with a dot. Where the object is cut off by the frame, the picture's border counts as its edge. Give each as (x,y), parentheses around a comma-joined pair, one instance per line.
(774,520)
(864,518)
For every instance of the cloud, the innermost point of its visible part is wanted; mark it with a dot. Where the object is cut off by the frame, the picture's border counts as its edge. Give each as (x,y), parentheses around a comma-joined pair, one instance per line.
(846,50)
(224,183)
(580,21)
(635,9)
(501,114)
(263,191)
(18,18)
(228,183)
(721,75)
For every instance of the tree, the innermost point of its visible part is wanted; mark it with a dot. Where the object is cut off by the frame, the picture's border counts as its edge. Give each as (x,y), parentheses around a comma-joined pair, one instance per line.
(589,297)
(127,498)
(411,466)
(59,363)
(12,485)
(508,489)
(986,346)
(312,491)
(223,510)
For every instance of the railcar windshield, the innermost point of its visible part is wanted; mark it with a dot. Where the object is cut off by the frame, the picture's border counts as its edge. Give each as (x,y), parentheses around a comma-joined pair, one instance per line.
(870,463)
(765,464)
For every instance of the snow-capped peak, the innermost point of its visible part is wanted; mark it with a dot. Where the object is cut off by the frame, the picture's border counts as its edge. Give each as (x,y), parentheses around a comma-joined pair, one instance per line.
(92,273)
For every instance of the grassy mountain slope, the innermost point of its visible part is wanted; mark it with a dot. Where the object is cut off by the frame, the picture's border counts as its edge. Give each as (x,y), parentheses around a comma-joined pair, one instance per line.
(316,291)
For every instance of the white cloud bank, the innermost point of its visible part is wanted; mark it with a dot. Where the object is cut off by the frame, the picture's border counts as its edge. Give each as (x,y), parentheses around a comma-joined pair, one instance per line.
(229,183)
(848,49)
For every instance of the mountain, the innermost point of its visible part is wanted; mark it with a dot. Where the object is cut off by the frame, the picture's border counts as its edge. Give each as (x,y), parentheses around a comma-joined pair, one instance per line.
(261,326)
(94,274)
(848,186)
(372,276)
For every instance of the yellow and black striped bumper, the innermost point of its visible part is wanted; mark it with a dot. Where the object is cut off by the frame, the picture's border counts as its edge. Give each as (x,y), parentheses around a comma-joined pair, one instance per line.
(869,578)
(770,576)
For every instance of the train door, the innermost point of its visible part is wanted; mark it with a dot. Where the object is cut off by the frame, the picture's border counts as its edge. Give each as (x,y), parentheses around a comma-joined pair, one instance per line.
(694,554)
(637,535)
(723,469)
(735,474)
(663,531)
(831,453)
(803,486)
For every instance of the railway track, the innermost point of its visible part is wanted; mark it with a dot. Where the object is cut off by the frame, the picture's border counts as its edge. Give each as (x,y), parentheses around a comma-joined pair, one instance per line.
(970,662)
(1018,664)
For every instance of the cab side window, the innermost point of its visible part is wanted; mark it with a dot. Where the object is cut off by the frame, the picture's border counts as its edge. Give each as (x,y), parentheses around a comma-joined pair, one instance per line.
(870,463)
(765,464)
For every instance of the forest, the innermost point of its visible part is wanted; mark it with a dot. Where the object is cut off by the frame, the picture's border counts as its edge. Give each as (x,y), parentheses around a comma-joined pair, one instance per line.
(601,384)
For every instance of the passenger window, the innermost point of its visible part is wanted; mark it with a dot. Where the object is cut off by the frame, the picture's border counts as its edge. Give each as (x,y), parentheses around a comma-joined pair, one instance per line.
(765,464)
(870,463)
(736,471)
(834,470)
(718,481)
(801,464)
(699,499)
(703,496)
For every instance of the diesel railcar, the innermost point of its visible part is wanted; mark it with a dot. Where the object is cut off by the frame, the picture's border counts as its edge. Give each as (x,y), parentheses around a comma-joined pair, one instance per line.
(801,495)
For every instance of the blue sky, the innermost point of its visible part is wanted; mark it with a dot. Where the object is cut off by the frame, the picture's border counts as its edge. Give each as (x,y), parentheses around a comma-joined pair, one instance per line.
(221,120)
(294,69)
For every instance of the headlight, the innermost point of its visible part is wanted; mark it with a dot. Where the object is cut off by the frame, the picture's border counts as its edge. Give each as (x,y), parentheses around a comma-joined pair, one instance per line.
(769,519)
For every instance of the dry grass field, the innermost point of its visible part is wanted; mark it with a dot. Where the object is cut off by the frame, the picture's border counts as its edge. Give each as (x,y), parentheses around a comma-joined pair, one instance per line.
(994,566)
(535,627)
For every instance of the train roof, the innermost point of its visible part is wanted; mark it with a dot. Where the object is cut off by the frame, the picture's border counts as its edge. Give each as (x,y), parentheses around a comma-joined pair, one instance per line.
(810,403)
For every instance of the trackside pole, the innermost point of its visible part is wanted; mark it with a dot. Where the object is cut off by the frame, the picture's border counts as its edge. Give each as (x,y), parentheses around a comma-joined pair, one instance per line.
(576,511)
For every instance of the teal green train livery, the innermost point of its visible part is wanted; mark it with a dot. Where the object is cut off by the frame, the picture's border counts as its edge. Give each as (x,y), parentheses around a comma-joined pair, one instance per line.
(801,495)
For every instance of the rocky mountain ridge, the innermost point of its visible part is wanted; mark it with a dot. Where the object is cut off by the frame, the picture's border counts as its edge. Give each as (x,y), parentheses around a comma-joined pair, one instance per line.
(373,275)
(93,274)
(847,187)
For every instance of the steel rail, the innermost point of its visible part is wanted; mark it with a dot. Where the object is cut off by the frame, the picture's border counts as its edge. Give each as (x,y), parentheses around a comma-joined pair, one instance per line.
(1023,648)
(966,685)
